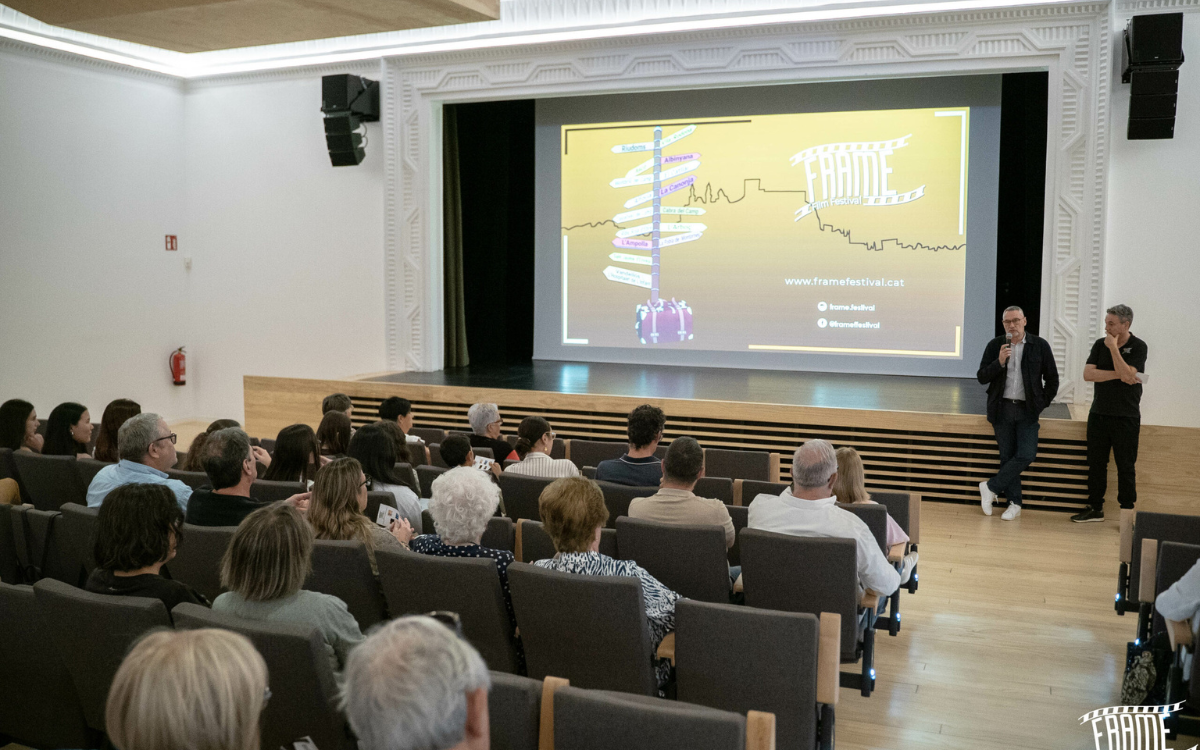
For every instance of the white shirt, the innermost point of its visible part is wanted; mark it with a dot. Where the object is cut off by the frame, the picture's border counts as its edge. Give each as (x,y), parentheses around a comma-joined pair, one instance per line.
(1182,602)
(537,464)
(786,514)
(1014,384)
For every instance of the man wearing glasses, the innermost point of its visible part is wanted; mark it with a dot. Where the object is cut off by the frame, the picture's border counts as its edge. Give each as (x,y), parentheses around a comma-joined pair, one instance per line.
(146,447)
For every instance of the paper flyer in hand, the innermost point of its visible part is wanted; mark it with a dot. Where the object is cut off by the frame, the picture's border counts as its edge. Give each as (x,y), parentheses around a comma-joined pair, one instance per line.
(483,463)
(387,514)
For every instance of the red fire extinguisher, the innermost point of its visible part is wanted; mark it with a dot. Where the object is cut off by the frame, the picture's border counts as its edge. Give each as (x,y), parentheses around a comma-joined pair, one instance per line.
(178,362)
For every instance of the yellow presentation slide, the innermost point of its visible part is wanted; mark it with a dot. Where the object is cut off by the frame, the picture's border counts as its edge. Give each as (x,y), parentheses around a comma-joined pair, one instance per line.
(832,232)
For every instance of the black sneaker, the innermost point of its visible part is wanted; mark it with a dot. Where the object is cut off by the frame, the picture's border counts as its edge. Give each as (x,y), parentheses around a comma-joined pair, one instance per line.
(1088,516)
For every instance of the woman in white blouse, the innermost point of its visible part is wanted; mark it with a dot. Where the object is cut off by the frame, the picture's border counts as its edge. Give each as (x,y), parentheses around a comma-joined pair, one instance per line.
(535,440)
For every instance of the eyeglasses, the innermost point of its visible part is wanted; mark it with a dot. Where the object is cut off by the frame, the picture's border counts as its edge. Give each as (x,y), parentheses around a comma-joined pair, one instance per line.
(172,437)
(365,482)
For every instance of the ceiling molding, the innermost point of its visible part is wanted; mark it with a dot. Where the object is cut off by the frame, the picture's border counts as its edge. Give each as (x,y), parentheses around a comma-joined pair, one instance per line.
(39,52)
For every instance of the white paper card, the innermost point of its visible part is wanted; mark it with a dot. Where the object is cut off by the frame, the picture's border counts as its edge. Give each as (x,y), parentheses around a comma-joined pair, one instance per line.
(483,463)
(386,515)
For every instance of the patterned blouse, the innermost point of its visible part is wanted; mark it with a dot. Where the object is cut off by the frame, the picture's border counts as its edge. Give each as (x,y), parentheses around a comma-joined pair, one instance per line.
(659,600)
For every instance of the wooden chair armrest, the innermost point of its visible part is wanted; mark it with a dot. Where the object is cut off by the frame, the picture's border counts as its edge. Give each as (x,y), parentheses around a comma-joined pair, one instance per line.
(829,658)
(518,551)
(546,724)
(567,449)
(666,649)
(1126,550)
(776,471)
(896,553)
(1149,571)
(737,491)
(914,518)
(870,600)
(738,586)
(760,730)
(1179,632)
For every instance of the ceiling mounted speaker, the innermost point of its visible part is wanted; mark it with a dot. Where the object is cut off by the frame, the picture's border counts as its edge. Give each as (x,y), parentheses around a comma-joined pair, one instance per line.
(348,101)
(1151,52)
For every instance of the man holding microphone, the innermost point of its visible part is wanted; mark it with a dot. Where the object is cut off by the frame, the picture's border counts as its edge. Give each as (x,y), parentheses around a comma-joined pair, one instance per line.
(1022,380)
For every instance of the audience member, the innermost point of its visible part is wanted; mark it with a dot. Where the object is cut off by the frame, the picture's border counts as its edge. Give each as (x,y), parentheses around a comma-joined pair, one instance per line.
(197,689)
(573,512)
(485,422)
(415,685)
(337,402)
(138,529)
(675,502)
(297,455)
(405,453)
(851,487)
(146,447)
(456,451)
(231,464)
(374,450)
(115,415)
(399,410)
(639,467)
(535,440)
(264,568)
(808,508)
(68,431)
(333,434)
(335,511)
(194,460)
(1181,601)
(19,427)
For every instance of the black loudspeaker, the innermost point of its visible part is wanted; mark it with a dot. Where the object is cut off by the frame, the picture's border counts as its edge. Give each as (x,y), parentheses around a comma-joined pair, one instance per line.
(1151,129)
(348,101)
(1156,40)
(1152,53)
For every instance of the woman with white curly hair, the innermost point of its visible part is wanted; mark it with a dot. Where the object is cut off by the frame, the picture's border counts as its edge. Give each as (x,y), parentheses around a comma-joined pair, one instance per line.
(485,423)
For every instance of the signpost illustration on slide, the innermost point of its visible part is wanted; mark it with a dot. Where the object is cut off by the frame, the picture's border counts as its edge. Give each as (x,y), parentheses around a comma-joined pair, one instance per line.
(658,320)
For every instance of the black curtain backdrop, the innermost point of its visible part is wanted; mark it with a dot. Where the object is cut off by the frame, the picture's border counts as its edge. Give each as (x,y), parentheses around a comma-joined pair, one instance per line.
(496,174)
(1021,214)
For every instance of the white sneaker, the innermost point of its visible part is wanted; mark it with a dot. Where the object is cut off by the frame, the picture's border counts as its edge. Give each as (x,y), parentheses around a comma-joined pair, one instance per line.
(906,567)
(1012,512)
(986,498)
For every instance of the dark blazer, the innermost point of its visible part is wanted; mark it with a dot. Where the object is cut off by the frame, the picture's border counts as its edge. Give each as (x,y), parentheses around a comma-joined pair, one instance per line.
(1038,370)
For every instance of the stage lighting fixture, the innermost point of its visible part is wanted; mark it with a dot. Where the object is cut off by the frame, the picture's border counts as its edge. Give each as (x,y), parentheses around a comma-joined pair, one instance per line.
(348,101)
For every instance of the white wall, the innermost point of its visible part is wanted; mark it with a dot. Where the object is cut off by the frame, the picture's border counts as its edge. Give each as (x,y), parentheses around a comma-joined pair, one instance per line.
(1152,258)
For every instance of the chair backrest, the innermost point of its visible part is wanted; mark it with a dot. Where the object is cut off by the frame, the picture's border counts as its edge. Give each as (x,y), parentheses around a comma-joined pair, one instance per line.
(267,444)
(425,477)
(590,630)
(514,712)
(375,498)
(10,562)
(752,488)
(875,517)
(737,464)
(435,455)
(600,719)
(34,537)
(43,709)
(803,574)
(93,632)
(500,533)
(589,472)
(343,569)
(88,468)
(429,434)
(1165,527)
(744,659)
(50,480)
(618,497)
(485,452)
(536,544)
(740,515)
(8,470)
(193,479)
(688,559)
(1174,560)
(303,686)
(521,495)
(717,488)
(592,452)
(414,584)
(77,529)
(197,560)
(268,491)
(900,507)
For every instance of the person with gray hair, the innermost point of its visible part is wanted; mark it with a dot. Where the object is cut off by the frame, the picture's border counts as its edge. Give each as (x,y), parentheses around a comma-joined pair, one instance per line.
(414,684)
(146,446)
(231,463)
(1117,365)
(809,508)
(485,423)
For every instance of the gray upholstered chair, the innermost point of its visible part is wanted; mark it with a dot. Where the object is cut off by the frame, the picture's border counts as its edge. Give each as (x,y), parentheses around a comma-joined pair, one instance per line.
(303,686)
(688,559)
(34,538)
(374,500)
(197,560)
(745,659)
(737,464)
(8,470)
(193,479)
(425,477)
(905,510)
(50,480)
(589,472)
(618,497)
(267,491)
(521,495)
(88,468)
(814,575)
(875,517)
(76,534)
(740,515)
(435,455)
(343,569)
(745,490)
(717,488)
(42,709)
(533,543)
(514,711)
(432,435)
(500,533)
(10,563)
(592,452)
(414,584)
(92,633)
(1159,527)
(485,452)
(591,630)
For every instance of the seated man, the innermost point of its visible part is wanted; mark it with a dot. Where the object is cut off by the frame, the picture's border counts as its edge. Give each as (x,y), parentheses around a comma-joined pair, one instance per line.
(146,447)
(808,508)
(675,502)
(413,684)
(1180,602)
(456,451)
(337,402)
(231,464)
(638,467)
(399,410)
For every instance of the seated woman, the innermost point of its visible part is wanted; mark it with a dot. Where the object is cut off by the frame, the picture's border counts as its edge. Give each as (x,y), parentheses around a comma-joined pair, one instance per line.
(335,511)
(138,530)
(485,422)
(203,688)
(297,455)
(375,451)
(333,434)
(115,415)
(406,453)
(573,513)
(194,460)
(68,431)
(851,487)
(535,440)
(19,427)
(264,567)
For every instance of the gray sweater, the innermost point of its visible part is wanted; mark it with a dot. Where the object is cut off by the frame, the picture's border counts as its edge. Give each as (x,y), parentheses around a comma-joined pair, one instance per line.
(322,611)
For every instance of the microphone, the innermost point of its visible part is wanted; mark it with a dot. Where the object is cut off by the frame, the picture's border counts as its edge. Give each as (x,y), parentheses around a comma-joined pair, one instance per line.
(1008,338)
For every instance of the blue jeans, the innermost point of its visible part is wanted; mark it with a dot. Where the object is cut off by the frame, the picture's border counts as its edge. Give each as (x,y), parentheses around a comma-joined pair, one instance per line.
(1016,435)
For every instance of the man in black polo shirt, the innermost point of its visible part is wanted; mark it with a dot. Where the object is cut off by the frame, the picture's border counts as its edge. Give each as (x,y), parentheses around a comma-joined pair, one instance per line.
(1116,417)
(231,464)
(639,467)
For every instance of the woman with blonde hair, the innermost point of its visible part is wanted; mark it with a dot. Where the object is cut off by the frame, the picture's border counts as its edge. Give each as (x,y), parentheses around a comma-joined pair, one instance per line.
(851,487)
(199,689)
(339,497)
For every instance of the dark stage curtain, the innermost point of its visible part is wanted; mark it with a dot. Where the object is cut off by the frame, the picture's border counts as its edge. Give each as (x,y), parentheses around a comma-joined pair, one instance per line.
(453,295)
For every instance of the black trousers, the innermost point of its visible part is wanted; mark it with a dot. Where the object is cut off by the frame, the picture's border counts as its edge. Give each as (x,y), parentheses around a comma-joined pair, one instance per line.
(1120,435)
(1017,438)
